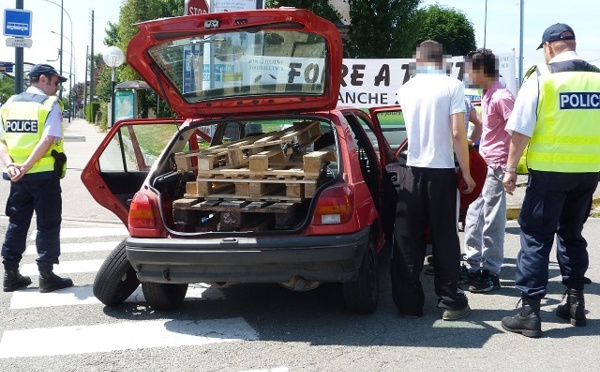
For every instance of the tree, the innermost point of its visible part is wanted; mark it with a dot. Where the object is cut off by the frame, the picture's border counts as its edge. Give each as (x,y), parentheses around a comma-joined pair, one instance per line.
(447,26)
(7,87)
(119,34)
(382,28)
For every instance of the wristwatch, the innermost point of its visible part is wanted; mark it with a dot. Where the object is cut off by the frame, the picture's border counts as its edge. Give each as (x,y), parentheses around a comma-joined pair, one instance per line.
(511,169)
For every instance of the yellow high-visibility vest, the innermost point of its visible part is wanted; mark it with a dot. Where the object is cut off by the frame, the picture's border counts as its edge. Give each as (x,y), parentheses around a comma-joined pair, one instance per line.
(566,137)
(24,117)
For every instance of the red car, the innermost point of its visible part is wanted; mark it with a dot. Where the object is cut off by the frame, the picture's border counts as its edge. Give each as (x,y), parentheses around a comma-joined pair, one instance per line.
(262,180)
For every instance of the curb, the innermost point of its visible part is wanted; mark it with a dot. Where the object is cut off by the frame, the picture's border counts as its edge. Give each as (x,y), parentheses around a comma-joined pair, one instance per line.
(512,211)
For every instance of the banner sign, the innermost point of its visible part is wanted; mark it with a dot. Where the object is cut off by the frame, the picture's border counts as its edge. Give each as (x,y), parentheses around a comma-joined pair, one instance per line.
(375,82)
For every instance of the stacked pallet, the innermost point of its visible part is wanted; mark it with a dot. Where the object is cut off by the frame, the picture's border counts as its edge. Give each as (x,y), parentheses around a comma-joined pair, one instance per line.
(253,182)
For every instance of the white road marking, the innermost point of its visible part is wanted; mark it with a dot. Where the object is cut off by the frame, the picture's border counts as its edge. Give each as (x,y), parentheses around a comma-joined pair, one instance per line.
(79,247)
(130,335)
(86,232)
(83,295)
(66,267)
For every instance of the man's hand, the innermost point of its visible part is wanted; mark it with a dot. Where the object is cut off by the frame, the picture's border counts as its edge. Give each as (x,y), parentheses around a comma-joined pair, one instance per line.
(15,172)
(509,182)
(469,184)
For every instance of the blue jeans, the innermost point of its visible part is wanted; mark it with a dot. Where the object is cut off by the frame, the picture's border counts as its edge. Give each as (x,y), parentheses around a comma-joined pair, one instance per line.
(554,204)
(39,192)
(485,225)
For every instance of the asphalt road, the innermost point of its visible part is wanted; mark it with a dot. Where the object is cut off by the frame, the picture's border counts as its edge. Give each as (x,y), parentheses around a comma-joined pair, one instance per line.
(266,327)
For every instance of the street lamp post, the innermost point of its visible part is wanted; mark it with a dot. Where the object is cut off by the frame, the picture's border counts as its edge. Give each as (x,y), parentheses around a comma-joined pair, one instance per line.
(485,24)
(62,11)
(113,57)
(71,83)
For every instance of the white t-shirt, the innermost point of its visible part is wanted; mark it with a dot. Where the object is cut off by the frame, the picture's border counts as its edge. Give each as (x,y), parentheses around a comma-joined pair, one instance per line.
(427,101)
(53,126)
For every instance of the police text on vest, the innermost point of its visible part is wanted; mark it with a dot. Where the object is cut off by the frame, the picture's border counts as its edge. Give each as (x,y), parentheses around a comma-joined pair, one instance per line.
(22,126)
(579,100)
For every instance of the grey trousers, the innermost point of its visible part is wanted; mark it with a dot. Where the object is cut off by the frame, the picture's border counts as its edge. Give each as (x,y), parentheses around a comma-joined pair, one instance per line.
(485,225)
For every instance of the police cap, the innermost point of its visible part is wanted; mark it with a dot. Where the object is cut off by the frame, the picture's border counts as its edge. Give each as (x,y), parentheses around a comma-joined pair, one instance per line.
(43,69)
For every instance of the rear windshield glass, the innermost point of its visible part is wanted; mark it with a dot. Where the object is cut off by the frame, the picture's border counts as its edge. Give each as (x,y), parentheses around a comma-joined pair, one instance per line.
(239,64)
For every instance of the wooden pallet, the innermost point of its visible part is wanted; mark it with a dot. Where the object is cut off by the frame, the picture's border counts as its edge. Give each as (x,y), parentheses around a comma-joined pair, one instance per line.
(262,147)
(297,180)
(232,215)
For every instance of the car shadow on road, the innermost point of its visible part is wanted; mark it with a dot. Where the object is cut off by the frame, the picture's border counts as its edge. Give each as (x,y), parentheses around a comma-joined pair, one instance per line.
(319,317)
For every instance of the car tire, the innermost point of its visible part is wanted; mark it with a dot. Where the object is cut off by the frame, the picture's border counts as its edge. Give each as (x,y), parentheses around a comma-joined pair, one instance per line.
(164,296)
(362,295)
(116,280)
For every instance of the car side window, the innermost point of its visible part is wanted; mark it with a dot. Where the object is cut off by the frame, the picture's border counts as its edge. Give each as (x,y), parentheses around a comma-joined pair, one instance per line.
(135,148)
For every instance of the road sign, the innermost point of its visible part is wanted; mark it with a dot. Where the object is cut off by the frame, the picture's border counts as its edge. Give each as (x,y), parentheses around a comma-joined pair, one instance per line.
(6,66)
(19,42)
(195,7)
(17,22)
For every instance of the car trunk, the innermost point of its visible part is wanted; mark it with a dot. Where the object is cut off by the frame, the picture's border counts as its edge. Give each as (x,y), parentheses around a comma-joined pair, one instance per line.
(258,175)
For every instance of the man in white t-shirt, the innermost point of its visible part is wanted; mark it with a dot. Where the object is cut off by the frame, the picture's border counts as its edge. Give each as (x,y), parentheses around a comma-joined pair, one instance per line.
(433,105)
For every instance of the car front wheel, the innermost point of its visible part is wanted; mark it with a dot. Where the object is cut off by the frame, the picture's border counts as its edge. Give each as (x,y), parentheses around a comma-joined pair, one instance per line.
(116,280)
(164,296)
(362,295)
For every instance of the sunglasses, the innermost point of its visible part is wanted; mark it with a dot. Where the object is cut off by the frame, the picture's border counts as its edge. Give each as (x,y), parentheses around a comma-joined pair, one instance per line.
(56,83)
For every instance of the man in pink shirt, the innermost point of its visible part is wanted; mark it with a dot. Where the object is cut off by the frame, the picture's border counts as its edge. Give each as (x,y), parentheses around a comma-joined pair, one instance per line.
(486,218)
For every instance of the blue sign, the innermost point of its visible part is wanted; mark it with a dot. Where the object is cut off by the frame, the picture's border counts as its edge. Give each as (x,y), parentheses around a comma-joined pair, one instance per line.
(17,22)
(6,66)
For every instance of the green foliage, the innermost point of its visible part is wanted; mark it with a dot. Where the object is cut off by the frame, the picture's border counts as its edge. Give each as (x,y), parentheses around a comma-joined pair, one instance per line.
(119,34)
(7,88)
(382,28)
(91,110)
(447,26)
(112,34)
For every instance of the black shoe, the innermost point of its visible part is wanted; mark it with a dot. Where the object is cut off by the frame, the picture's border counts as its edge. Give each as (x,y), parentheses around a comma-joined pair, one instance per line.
(574,309)
(451,314)
(13,280)
(50,282)
(466,277)
(527,322)
(484,282)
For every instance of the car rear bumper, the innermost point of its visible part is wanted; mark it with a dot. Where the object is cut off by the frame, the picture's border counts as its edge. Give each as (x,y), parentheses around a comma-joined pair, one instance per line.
(248,260)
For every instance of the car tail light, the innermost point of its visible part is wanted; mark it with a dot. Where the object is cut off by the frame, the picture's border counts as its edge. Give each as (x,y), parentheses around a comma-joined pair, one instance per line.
(334,206)
(141,213)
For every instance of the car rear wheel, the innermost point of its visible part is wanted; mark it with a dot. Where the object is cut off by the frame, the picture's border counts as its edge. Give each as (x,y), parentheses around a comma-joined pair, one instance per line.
(164,296)
(362,295)
(116,280)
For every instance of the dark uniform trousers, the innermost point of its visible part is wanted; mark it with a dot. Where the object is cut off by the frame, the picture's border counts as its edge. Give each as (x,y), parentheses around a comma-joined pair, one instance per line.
(426,196)
(555,204)
(39,192)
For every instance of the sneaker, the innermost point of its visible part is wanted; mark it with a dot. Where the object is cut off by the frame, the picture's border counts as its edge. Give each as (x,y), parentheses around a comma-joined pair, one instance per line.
(449,314)
(485,282)
(466,276)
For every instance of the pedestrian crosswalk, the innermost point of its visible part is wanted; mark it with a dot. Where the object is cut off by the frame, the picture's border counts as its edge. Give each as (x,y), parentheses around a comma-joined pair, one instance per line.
(123,336)
(82,260)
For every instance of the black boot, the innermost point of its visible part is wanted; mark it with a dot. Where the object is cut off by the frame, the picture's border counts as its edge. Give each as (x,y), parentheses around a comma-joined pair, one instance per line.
(528,321)
(574,308)
(51,282)
(14,280)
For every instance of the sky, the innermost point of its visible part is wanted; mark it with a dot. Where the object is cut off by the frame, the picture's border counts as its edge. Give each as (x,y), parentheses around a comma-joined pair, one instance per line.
(502,31)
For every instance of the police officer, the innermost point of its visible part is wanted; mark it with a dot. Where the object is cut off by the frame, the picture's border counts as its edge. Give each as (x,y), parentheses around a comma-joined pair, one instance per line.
(31,148)
(557,113)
